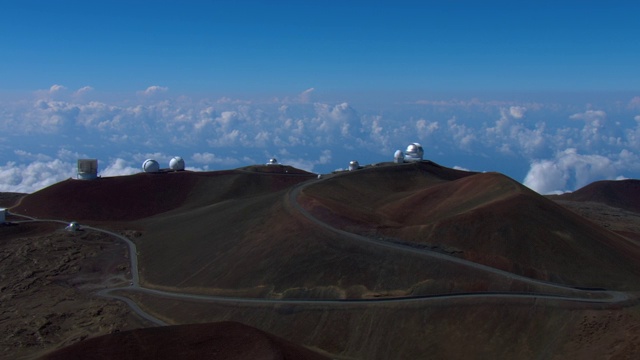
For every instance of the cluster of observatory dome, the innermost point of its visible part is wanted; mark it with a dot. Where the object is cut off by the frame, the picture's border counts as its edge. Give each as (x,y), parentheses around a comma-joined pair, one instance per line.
(152,166)
(88,168)
(413,153)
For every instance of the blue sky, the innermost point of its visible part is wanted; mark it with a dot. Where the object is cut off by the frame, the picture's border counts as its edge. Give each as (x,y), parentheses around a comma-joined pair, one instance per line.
(343,46)
(545,92)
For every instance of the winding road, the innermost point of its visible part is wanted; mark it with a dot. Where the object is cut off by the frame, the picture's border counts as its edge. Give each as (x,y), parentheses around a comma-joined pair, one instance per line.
(582,296)
(295,192)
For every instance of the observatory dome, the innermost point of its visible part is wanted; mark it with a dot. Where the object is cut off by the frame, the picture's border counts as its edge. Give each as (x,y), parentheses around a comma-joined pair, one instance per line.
(414,152)
(398,157)
(176,164)
(73,226)
(273,161)
(150,166)
(354,165)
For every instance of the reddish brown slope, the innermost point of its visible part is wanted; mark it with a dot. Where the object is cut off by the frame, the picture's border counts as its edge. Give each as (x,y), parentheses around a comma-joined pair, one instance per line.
(126,198)
(262,246)
(10,199)
(487,218)
(624,194)
(222,341)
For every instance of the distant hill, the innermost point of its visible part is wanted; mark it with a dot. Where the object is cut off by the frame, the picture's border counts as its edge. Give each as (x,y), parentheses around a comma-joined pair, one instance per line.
(624,194)
(9,199)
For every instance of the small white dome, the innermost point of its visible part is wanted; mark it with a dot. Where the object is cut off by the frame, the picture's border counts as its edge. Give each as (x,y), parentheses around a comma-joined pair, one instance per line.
(398,156)
(354,165)
(150,166)
(176,164)
(273,161)
(73,226)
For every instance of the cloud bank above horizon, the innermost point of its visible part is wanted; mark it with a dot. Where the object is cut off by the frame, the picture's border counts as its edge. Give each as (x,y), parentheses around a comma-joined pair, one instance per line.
(550,145)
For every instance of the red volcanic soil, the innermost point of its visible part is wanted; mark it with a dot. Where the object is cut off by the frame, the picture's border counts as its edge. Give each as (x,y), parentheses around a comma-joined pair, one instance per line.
(10,199)
(624,194)
(126,198)
(262,246)
(221,341)
(242,233)
(486,218)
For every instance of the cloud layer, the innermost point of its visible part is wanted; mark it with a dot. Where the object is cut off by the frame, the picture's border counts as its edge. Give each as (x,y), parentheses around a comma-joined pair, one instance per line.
(550,146)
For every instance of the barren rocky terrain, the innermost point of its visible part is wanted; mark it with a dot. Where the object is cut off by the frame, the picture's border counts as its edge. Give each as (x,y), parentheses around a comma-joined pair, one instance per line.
(47,280)
(386,262)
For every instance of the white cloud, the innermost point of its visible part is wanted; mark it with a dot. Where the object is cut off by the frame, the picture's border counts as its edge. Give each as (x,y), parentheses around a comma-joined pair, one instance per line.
(570,170)
(68,155)
(426,127)
(204,158)
(337,120)
(56,88)
(227,119)
(154,89)
(546,177)
(308,164)
(31,177)
(79,94)
(463,136)
(595,118)
(25,155)
(517,112)
(305,96)
(119,167)
(505,132)
(208,158)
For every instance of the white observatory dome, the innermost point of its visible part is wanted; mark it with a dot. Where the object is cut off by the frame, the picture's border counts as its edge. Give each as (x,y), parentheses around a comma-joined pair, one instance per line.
(354,165)
(414,152)
(398,157)
(150,166)
(273,161)
(73,226)
(176,164)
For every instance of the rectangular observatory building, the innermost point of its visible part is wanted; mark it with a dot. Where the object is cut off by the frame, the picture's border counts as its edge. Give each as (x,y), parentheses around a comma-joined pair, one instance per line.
(87,169)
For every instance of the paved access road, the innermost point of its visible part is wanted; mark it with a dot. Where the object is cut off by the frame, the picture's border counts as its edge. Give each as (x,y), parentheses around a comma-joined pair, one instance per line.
(582,296)
(426,253)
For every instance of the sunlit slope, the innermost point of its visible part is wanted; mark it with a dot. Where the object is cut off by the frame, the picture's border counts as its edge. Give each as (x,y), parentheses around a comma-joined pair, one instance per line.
(126,198)
(262,247)
(259,244)
(487,218)
(242,231)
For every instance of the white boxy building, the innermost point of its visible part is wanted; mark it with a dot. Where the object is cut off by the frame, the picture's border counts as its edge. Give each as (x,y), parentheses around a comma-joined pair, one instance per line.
(87,169)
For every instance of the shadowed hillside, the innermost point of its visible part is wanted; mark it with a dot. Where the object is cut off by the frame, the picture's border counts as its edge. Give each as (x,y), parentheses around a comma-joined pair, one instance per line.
(487,218)
(624,194)
(10,199)
(222,341)
(126,198)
